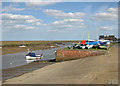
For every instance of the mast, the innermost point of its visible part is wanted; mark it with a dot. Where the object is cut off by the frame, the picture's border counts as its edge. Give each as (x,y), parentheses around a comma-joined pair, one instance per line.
(88,32)
(23,43)
(88,37)
(96,31)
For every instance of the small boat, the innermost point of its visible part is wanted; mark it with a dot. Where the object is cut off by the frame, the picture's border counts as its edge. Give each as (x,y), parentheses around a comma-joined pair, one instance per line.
(33,56)
(91,43)
(104,46)
(51,46)
(22,46)
(89,46)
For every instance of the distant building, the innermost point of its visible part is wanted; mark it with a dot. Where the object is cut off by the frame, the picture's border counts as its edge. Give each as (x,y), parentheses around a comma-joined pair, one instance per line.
(118,39)
(108,37)
(101,37)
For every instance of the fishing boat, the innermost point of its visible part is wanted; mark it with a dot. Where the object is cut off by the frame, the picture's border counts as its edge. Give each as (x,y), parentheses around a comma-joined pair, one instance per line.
(33,56)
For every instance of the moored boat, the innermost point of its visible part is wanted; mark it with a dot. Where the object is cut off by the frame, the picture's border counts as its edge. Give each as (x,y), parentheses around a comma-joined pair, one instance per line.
(33,56)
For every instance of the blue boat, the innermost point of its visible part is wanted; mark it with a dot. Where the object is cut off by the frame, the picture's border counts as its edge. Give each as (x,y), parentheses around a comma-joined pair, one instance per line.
(92,42)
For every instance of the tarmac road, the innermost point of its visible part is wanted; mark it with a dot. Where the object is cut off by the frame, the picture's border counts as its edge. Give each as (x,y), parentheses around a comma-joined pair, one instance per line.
(91,70)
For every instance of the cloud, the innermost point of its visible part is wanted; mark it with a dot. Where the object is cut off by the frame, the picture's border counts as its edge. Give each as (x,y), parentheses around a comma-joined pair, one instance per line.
(24,27)
(56,30)
(29,22)
(12,7)
(70,21)
(110,15)
(66,24)
(7,9)
(105,16)
(58,14)
(32,3)
(18,27)
(106,28)
(14,17)
(10,18)
(0,7)
(113,10)
(0,4)
(24,22)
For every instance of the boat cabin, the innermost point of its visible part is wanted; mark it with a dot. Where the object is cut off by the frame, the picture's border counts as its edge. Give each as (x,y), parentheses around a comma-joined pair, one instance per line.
(31,54)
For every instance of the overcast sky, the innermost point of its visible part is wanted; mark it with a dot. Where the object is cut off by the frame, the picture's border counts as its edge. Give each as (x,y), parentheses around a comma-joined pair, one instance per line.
(58,20)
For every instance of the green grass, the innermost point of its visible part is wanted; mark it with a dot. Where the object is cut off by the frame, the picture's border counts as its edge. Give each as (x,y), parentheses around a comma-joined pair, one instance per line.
(17,43)
(14,43)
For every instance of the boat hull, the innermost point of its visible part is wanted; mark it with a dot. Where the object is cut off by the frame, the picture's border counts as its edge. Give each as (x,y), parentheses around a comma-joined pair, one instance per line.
(34,58)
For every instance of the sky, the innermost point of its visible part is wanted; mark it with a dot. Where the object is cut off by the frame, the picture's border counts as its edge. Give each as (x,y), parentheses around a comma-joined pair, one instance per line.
(58,20)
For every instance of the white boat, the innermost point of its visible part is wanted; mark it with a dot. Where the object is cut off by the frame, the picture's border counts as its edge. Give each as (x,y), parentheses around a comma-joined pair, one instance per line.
(83,47)
(33,56)
(51,46)
(22,46)
(107,41)
(88,46)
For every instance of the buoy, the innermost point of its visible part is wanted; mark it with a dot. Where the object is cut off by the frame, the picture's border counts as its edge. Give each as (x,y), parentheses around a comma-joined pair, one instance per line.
(83,42)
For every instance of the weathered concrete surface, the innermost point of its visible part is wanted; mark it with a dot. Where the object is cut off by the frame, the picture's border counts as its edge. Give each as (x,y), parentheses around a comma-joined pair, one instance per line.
(94,70)
(63,55)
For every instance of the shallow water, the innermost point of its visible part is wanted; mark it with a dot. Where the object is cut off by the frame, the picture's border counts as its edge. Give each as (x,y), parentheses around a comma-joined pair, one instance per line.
(18,59)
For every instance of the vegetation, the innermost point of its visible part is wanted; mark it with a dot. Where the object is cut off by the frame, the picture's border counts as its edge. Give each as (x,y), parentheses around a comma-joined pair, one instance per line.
(27,43)
(13,46)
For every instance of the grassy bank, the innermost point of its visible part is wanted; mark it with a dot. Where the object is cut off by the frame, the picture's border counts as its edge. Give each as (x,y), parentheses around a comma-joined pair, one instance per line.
(13,46)
(27,43)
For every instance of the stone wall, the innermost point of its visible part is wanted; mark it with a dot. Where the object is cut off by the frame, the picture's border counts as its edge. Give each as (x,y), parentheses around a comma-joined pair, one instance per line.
(63,55)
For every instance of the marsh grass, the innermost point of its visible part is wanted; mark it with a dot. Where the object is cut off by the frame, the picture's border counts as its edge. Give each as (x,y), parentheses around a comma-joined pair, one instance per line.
(13,46)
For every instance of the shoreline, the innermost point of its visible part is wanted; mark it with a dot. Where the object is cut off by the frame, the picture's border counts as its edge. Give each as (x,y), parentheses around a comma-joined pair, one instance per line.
(8,73)
(20,70)
(38,65)
(93,70)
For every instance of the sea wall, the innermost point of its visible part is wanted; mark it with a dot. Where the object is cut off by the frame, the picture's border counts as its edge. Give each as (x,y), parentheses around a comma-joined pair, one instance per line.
(63,55)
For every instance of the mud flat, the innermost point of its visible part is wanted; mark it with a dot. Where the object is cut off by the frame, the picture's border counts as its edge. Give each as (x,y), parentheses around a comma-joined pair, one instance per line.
(17,71)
